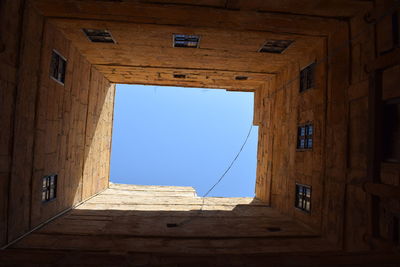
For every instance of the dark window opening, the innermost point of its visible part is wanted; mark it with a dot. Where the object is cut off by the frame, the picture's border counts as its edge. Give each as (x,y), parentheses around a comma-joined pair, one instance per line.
(274,229)
(307,78)
(395,29)
(49,188)
(391,130)
(180,76)
(58,66)
(98,36)
(303,197)
(396,230)
(275,46)
(305,136)
(188,41)
(241,78)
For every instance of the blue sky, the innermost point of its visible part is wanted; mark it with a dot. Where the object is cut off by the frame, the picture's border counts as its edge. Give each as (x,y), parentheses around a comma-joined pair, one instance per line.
(184,137)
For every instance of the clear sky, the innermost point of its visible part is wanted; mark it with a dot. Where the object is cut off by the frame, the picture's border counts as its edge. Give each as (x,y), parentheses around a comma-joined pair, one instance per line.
(184,137)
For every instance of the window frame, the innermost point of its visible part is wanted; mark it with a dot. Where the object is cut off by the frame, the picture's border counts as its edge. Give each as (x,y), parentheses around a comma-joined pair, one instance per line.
(305,72)
(385,105)
(275,46)
(395,231)
(306,137)
(47,186)
(302,199)
(99,38)
(59,58)
(185,35)
(395,29)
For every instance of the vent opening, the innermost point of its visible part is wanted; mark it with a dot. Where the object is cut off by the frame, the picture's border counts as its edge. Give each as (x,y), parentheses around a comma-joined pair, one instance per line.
(241,78)
(275,46)
(98,36)
(187,41)
(172,225)
(179,76)
(274,229)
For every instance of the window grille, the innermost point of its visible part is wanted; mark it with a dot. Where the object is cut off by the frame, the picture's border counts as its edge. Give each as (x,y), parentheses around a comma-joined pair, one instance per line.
(275,46)
(307,78)
(58,67)
(305,136)
(49,188)
(98,36)
(303,197)
(188,41)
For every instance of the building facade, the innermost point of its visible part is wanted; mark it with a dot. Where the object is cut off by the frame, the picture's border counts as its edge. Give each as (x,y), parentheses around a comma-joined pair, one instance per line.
(325,76)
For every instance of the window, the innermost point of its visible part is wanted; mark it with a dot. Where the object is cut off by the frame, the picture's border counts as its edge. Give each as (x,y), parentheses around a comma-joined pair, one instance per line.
(57,67)
(275,46)
(188,41)
(303,197)
(307,78)
(391,130)
(98,36)
(49,188)
(305,136)
(396,230)
(395,29)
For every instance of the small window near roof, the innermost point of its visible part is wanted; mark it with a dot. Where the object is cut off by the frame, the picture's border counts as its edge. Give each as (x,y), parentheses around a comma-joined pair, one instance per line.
(179,76)
(391,130)
(241,78)
(49,188)
(307,78)
(58,67)
(188,41)
(303,197)
(275,46)
(98,36)
(305,136)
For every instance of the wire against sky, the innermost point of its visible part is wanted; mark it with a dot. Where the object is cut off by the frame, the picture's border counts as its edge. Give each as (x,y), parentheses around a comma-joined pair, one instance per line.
(220,179)
(187,137)
(230,166)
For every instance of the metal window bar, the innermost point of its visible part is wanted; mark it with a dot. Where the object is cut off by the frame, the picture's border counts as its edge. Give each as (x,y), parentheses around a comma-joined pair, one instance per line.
(186,41)
(305,136)
(58,66)
(307,78)
(303,197)
(49,188)
(99,36)
(275,46)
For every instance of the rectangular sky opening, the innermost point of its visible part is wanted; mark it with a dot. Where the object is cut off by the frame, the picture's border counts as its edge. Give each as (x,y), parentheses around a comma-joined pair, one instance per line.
(179,136)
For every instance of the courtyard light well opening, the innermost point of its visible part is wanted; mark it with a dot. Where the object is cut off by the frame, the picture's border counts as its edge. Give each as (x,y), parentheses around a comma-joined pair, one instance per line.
(184,136)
